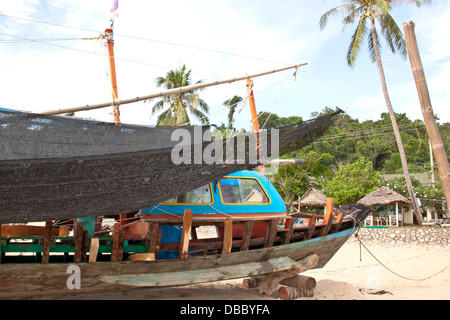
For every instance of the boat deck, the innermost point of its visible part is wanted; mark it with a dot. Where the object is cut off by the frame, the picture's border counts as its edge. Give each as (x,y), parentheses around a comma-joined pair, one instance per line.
(21,243)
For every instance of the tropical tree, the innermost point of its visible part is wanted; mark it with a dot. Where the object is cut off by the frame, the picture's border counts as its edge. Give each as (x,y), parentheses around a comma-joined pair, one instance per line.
(292,181)
(369,11)
(179,106)
(232,104)
(352,182)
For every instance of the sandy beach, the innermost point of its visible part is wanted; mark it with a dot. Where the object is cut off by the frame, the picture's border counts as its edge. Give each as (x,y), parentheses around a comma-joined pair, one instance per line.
(422,273)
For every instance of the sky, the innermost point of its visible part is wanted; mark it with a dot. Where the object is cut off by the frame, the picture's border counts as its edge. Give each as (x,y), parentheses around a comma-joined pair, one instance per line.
(216,40)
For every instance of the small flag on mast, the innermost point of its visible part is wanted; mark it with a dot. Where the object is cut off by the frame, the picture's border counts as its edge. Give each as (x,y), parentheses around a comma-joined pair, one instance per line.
(115,9)
(115,6)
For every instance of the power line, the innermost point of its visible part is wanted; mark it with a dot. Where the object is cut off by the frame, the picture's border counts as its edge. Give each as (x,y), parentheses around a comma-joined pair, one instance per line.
(146,39)
(367,133)
(39,40)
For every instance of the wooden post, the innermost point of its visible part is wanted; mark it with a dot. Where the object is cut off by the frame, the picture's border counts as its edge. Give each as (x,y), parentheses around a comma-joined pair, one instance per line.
(328,220)
(84,245)
(427,109)
(117,246)
(186,232)
(47,241)
(228,236)
(248,227)
(79,235)
(271,232)
(339,219)
(287,234)
(93,250)
(153,237)
(112,69)
(311,227)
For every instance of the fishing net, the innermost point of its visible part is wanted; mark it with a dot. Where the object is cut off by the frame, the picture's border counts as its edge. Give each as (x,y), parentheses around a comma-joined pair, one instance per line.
(55,168)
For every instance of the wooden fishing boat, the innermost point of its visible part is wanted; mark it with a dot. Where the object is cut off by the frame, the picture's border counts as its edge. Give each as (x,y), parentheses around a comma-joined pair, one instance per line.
(255,237)
(54,168)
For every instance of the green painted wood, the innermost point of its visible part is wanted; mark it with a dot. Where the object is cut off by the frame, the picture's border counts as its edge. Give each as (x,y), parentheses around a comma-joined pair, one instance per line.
(166,279)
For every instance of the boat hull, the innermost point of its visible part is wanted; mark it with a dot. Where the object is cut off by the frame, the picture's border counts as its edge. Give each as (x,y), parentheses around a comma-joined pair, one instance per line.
(31,280)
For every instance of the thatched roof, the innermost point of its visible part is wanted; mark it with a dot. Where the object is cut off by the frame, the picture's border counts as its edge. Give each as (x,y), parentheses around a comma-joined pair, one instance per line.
(312,198)
(383,196)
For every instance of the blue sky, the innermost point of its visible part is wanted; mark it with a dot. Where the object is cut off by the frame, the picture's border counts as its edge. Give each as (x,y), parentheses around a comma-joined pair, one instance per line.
(36,76)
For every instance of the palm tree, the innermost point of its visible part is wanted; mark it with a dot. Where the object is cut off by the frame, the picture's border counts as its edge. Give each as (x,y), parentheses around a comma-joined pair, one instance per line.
(232,104)
(178,106)
(369,11)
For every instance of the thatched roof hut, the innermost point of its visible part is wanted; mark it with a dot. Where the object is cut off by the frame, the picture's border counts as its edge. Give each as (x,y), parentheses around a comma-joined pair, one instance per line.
(383,196)
(312,198)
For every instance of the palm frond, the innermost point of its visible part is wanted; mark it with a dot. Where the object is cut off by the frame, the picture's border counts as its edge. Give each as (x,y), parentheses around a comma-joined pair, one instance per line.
(357,40)
(159,105)
(200,115)
(345,8)
(393,35)
(381,7)
(418,3)
(166,118)
(349,19)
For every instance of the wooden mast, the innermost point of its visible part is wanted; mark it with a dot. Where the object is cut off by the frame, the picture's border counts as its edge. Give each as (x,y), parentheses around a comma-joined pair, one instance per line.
(427,109)
(112,71)
(255,122)
(162,93)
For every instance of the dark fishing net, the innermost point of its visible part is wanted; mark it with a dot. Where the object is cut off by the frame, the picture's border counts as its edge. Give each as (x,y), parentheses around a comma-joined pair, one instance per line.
(54,168)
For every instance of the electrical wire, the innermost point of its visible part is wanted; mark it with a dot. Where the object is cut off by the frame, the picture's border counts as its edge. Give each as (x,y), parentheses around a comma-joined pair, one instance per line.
(147,39)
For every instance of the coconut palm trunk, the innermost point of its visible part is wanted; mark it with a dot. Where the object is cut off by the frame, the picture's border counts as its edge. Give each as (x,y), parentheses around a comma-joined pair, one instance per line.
(401,149)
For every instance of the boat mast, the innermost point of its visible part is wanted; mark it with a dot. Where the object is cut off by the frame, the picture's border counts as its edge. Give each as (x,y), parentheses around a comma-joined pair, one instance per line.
(112,70)
(255,122)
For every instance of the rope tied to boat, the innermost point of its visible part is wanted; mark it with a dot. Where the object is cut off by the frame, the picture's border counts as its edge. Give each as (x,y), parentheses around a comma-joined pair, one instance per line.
(361,244)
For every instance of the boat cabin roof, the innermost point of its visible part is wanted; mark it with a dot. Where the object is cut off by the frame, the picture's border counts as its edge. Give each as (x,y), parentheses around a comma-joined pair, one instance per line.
(240,192)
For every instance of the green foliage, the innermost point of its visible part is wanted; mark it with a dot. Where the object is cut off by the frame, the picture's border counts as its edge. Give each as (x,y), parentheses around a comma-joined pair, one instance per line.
(352,182)
(292,181)
(428,195)
(177,107)
(363,13)
(369,146)
(273,121)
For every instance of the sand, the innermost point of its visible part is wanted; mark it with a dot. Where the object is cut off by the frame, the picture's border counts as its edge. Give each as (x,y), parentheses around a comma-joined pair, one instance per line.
(347,276)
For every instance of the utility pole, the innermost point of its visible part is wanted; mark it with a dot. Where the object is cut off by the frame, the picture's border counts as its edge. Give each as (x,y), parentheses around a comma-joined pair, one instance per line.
(427,109)
(112,71)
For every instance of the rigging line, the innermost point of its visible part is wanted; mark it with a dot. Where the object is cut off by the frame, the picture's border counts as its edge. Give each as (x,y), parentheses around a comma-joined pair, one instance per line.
(368,133)
(150,40)
(48,23)
(100,54)
(381,129)
(398,275)
(362,137)
(276,100)
(89,52)
(202,49)
(244,102)
(26,59)
(41,40)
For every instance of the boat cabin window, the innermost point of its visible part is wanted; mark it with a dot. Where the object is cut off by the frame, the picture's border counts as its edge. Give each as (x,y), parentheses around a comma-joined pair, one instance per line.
(242,190)
(197,196)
